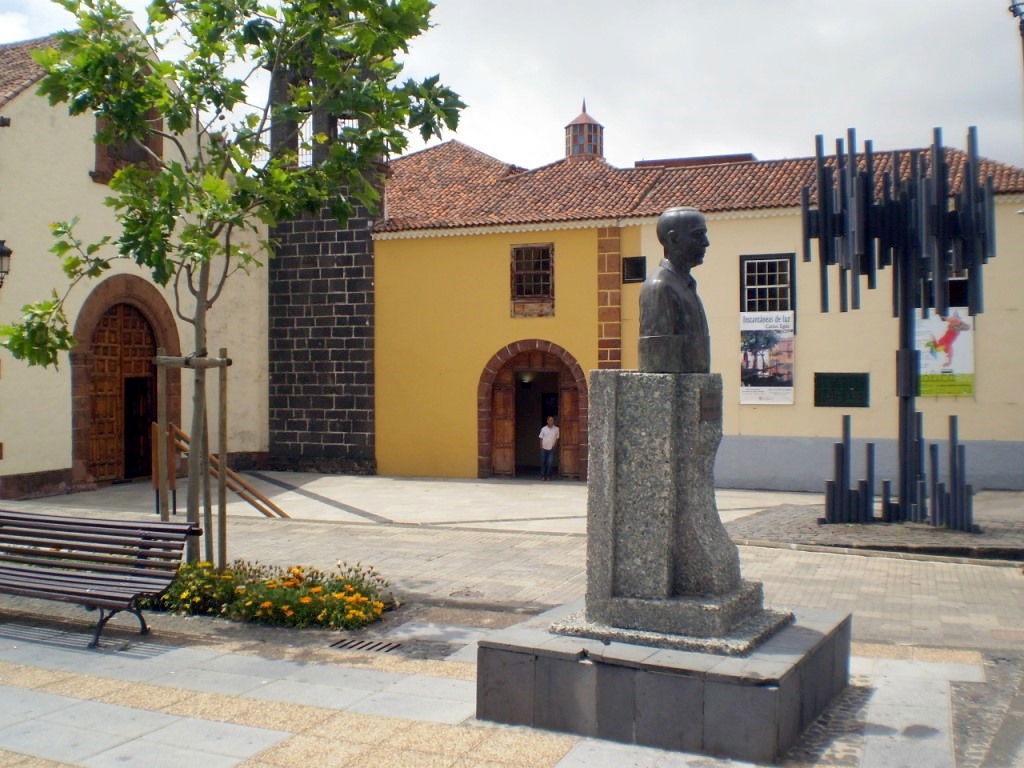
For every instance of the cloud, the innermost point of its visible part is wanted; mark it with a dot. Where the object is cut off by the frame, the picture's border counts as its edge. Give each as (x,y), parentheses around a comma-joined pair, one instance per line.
(673,78)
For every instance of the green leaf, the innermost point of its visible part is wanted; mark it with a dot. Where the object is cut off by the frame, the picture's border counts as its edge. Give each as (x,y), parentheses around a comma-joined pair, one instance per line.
(217,187)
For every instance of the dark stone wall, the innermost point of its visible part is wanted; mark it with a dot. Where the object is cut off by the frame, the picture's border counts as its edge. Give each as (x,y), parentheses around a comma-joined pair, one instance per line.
(321,346)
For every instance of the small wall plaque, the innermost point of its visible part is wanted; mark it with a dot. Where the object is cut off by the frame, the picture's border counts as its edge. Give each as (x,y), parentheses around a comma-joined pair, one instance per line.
(710,405)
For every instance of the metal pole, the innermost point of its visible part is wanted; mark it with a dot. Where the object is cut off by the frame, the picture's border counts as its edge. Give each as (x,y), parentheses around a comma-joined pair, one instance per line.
(222,452)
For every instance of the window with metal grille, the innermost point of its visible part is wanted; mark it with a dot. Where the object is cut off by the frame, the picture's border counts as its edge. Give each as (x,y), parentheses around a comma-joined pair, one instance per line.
(767,283)
(634,269)
(532,272)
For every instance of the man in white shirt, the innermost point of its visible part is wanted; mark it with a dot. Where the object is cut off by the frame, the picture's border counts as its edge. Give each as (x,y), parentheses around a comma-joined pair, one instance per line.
(548,441)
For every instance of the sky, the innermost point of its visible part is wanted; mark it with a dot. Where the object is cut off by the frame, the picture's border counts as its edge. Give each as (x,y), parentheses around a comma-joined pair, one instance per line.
(683,78)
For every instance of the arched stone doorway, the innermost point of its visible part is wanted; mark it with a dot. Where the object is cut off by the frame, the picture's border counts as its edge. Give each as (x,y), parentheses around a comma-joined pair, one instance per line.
(501,383)
(122,323)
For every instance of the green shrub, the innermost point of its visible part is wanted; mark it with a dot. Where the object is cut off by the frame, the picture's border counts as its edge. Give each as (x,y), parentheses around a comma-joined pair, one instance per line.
(348,597)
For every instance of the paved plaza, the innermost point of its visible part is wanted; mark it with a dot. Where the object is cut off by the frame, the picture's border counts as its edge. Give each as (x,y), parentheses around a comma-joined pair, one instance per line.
(937,672)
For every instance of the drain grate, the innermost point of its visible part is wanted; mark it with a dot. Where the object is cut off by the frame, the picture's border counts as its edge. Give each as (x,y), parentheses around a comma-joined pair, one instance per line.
(373,646)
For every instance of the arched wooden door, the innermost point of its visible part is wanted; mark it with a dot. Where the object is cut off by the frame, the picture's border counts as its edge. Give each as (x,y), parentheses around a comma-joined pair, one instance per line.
(502,400)
(121,394)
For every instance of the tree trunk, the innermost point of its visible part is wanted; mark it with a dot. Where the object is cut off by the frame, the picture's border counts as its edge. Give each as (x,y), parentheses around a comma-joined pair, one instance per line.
(196,455)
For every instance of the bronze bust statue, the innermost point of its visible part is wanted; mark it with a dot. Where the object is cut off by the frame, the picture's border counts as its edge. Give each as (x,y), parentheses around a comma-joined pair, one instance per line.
(673,328)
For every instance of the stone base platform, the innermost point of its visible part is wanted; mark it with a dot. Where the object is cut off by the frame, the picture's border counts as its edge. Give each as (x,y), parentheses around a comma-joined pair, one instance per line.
(707,616)
(752,708)
(739,640)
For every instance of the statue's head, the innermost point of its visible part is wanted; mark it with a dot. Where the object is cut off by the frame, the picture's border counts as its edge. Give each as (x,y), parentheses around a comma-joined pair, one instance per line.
(684,234)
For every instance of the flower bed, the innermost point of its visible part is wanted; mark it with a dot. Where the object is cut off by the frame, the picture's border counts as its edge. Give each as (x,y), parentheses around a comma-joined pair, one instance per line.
(347,597)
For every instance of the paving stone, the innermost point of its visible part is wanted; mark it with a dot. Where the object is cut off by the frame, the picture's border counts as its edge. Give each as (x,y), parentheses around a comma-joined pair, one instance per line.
(124,722)
(134,755)
(75,745)
(218,738)
(18,704)
(296,691)
(415,708)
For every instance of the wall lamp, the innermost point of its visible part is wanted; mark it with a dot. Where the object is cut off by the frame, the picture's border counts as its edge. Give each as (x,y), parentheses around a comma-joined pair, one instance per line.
(5,260)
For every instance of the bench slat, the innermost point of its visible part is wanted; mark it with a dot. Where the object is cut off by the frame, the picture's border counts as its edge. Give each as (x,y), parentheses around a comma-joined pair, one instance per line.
(47,548)
(16,533)
(72,565)
(94,523)
(82,591)
(86,535)
(55,575)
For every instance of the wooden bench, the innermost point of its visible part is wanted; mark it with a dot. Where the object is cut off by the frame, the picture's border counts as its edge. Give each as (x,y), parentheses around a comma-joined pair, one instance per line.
(105,565)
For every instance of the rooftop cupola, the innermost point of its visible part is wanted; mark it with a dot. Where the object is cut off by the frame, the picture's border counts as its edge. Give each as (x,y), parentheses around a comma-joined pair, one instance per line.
(584,136)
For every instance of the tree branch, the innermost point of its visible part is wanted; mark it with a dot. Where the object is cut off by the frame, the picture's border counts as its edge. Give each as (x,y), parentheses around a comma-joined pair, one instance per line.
(227,262)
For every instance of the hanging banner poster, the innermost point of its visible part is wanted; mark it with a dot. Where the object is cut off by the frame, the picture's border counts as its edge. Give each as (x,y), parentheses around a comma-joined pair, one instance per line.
(766,358)
(946,349)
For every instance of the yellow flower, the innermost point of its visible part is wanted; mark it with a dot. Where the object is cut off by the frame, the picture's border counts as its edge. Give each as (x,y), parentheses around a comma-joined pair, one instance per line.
(196,599)
(338,595)
(240,589)
(306,599)
(204,564)
(183,595)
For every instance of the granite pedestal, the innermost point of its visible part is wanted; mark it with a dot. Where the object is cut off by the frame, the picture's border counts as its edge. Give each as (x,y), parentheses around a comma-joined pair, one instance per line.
(658,557)
(751,708)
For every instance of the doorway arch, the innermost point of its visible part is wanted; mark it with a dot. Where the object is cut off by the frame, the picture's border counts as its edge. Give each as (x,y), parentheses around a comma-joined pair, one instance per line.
(496,406)
(122,322)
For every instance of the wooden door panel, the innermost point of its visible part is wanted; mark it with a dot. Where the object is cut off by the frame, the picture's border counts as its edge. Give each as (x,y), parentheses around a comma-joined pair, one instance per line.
(503,421)
(123,345)
(569,432)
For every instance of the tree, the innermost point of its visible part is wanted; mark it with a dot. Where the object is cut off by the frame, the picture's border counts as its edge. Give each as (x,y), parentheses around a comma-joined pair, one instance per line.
(197,77)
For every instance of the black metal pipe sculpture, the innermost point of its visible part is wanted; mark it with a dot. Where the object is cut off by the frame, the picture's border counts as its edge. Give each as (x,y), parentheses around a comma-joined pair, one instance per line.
(906,218)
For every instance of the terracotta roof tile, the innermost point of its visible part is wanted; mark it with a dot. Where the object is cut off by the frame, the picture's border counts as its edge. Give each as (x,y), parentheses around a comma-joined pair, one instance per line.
(453,185)
(17,69)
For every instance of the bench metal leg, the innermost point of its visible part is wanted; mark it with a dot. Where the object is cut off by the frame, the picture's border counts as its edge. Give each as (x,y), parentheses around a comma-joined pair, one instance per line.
(107,614)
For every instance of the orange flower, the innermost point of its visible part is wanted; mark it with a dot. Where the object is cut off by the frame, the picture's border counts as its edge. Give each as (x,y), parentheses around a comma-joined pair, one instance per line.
(316,589)
(266,604)
(306,599)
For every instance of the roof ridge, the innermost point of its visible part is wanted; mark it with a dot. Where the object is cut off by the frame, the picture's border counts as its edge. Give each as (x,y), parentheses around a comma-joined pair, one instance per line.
(29,40)
(451,142)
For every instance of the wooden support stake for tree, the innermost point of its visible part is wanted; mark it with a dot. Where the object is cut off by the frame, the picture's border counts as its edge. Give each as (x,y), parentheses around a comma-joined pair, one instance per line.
(201,443)
(207,501)
(161,447)
(222,453)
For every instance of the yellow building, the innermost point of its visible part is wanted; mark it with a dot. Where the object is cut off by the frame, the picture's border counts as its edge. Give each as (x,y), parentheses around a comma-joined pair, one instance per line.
(498,289)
